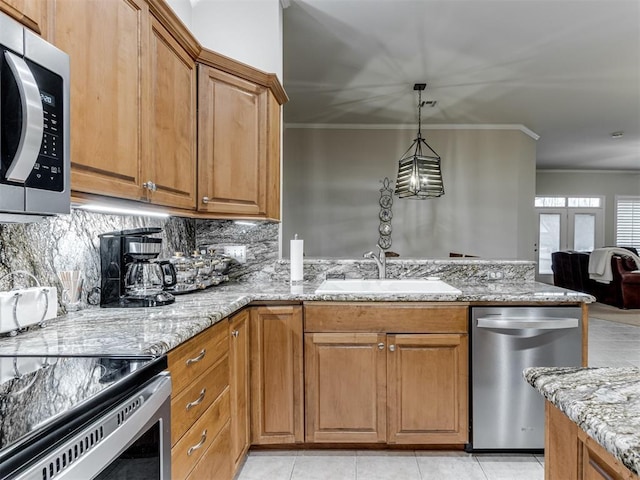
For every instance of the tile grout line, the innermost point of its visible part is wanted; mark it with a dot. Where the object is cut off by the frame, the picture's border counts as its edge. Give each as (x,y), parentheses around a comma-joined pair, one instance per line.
(486,476)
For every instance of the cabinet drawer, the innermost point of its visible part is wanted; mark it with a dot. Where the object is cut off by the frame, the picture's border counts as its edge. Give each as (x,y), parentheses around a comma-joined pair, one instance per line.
(188,405)
(385,317)
(191,447)
(216,461)
(191,359)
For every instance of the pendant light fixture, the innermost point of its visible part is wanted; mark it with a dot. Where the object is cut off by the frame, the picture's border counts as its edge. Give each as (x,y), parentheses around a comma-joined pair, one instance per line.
(419,174)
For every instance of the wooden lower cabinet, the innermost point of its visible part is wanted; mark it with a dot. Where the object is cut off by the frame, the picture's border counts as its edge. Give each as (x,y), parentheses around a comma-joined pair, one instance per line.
(239,384)
(381,386)
(201,406)
(345,387)
(571,454)
(427,381)
(277,409)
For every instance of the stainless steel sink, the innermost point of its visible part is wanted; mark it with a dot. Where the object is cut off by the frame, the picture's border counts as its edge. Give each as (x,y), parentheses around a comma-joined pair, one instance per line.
(387,286)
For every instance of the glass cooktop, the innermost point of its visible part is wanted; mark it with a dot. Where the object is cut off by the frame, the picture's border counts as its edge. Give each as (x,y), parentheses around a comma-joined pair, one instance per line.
(39,394)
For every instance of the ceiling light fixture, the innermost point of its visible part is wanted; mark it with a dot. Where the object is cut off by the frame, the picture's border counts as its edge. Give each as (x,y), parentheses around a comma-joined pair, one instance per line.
(419,174)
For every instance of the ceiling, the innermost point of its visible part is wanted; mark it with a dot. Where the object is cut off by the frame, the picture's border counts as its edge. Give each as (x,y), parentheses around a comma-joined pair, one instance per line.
(567,70)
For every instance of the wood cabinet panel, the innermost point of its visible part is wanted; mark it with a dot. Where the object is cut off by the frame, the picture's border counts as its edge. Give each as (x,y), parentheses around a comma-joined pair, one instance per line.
(239,383)
(277,408)
(171,164)
(238,146)
(193,445)
(345,387)
(108,46)
(191,359)
(427,388)
(216,462)
(31,13)
(385,317)
(194,400)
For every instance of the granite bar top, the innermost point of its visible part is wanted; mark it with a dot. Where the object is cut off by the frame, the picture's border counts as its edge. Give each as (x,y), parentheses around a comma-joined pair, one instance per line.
(156,330)
(604,402)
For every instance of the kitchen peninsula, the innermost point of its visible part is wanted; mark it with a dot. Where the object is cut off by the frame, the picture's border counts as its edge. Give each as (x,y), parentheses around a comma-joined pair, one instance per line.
(592,416)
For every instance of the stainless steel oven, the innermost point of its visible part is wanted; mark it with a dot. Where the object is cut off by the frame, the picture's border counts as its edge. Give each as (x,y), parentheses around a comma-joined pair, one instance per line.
(121,432)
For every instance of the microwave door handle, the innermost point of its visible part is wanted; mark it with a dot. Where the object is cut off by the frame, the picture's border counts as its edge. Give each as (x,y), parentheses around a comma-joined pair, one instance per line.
(32,121)
(518,323)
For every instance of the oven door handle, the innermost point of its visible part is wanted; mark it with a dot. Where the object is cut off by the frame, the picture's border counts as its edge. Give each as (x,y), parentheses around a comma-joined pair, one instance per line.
(32,121)
(519,323)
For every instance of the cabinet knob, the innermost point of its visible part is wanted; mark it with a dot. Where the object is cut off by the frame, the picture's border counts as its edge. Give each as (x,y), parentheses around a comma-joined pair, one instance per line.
(392,348)
(205,199)
(235,334)
(150,186)
(381,346)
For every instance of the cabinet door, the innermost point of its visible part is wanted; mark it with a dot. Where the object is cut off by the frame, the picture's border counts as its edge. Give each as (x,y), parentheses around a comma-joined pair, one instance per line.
(345,387)
(239,382)
(427,377)
(107,42)
(232,144)
(31,13)
(276,375)
(171,163)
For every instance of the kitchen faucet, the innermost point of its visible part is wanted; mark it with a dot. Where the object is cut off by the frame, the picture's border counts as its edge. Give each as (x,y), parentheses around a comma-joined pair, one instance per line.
(381,262)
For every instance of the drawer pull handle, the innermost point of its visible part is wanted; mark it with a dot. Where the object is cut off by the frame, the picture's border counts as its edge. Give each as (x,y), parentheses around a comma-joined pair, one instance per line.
(199,444)
(197,401)
(203,352)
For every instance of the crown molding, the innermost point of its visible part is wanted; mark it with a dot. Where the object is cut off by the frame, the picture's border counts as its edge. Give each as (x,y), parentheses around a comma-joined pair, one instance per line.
(434,126)
(591,170)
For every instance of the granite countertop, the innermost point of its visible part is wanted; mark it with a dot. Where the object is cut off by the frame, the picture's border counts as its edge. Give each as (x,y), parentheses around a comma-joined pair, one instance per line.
(156,330)
(604,402)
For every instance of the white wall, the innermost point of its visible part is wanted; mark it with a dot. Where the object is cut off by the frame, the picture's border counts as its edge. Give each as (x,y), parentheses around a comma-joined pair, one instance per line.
(182,9)
(332,181)
(590,183)
(249,31)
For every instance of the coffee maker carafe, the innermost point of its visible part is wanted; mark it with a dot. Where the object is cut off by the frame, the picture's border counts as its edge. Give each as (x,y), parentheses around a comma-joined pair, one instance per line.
(131,275)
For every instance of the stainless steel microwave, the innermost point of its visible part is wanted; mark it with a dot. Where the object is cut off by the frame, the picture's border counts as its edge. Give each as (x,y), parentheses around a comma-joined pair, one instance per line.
(34,125)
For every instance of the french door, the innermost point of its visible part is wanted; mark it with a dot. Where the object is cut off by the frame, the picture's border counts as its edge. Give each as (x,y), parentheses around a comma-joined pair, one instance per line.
(566,228)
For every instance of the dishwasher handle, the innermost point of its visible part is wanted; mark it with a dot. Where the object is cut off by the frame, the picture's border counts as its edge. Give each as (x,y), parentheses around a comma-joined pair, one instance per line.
(518,323)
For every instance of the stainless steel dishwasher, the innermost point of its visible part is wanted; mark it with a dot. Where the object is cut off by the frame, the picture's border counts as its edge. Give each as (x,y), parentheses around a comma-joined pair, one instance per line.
(506,413)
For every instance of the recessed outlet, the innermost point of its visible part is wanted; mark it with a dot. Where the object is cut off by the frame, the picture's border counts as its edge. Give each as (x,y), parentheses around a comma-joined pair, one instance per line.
(495,275)
(239,252)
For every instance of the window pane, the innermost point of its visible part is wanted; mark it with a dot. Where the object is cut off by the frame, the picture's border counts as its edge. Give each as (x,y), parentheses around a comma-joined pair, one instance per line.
(550,202)
(628,221)
(584,232)
(549,241)
(585,202)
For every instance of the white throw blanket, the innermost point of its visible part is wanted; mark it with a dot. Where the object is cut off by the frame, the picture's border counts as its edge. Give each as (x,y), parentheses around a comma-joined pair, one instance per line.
(600,262)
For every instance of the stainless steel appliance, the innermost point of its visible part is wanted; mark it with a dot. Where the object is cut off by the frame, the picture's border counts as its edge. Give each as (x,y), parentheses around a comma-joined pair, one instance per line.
(130,276)
(34,125)
(85,418)
(507,414)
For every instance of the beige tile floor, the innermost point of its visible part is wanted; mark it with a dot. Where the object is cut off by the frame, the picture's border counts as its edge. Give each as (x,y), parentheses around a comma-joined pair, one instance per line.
(610,344)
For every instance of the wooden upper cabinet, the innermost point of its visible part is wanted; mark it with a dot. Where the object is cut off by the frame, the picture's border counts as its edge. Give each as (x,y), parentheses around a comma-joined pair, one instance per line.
(31,13)
(107,44)
(238,147)
(171,164)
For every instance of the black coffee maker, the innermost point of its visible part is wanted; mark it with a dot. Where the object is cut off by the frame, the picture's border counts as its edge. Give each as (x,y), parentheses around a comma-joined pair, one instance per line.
(130,275)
